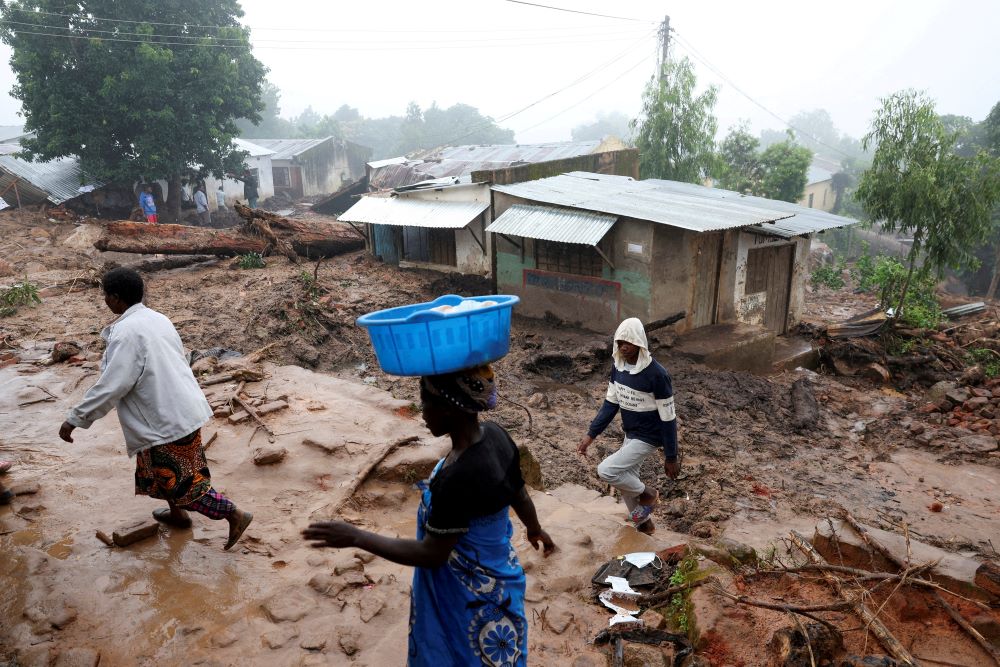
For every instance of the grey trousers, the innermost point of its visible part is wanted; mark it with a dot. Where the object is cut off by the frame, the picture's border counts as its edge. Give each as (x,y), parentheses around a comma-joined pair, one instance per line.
(621,469)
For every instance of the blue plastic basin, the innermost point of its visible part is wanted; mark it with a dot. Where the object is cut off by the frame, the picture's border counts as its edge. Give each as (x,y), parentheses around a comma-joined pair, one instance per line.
(416,340)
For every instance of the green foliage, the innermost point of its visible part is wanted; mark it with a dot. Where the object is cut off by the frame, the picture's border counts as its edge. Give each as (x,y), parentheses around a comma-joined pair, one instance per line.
(251,260)
(23,293)
(675,131)
(988,360)
(863,273)
(785,169)
(779,172)
(310,285)
(827,276)
(680,611)
(145,106)
(918,185)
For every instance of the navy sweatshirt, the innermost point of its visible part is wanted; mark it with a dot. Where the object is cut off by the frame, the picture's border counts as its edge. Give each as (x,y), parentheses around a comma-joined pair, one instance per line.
(646,400)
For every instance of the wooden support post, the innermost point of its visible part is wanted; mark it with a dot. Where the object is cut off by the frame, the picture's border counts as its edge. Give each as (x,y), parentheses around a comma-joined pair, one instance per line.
(604,257)
(17,195)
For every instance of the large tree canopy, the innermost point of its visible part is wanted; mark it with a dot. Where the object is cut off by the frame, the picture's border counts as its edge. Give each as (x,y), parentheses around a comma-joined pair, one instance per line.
(675,131)
(918,184)
(145,88)
(778,172)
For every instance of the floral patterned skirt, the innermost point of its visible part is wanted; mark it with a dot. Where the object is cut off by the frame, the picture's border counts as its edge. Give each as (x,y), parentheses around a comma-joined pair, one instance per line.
(176,472)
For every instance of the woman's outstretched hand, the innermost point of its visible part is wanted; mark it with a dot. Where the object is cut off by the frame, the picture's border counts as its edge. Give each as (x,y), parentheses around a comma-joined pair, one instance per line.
(336,534)
(541,537)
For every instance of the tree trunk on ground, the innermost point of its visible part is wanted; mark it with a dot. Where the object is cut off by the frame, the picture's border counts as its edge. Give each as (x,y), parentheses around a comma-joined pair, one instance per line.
(289,237)
(173,203)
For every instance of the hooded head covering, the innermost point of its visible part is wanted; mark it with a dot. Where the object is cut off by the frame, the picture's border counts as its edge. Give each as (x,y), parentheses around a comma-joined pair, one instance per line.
(471,390)
(632,331)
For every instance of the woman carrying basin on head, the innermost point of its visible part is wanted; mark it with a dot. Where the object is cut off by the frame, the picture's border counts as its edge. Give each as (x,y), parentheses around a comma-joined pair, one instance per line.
(467,600)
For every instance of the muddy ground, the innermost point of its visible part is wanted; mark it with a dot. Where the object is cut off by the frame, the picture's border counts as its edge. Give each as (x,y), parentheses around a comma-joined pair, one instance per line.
(749,473)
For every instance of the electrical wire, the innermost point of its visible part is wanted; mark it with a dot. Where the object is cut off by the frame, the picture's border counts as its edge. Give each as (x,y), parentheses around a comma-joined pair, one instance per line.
(697,55)
(577,11)
(581,79)
(644,59)
(302,29)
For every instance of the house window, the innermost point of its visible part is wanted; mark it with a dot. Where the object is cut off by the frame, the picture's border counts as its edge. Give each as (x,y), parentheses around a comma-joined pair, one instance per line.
(435,246)
(282,177)
(810,200)
(582,260)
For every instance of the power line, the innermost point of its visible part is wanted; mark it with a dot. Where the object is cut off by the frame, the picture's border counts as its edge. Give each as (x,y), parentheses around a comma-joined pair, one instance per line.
(607,85)
(303,29)
(694,52)
(576,11)
(577,81)
(372,46)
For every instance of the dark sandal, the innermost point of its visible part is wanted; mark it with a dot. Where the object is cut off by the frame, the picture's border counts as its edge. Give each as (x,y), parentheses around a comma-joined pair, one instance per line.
(164,515)
(6,497)
(236,532)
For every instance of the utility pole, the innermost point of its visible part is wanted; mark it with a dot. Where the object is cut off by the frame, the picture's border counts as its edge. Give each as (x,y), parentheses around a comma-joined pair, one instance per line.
(664,42)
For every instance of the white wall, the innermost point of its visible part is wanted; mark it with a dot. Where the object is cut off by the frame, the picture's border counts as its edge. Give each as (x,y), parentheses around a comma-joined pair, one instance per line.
(234,189)
(468,253)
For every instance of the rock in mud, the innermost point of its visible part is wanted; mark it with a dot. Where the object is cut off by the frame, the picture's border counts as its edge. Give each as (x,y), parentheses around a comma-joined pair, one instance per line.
(740,552)
(641,655)
(135,532)
(288,607)
(313,641)
(939,390)
(224,638)
(538,400)
(36,656)
(275,639)
(988,627)
(371,605)
(988,578)
(558,616)
(868,661)
(805,409)
(977,444)
(77,657)
(327,584)
(346,563)
(791,648)
(265,456)
(64,350)
(349,641)
(305,352)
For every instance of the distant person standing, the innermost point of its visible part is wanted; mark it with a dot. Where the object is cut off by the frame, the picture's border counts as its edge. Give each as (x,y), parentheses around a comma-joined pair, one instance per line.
(148,204)
(250,188)
(201,203)
(220,197)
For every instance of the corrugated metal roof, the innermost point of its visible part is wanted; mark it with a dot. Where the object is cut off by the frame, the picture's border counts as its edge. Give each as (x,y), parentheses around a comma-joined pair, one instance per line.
(553,224)
(683,205)
(378,164)
(461,161)
(408,212)
(287,149)
(255,150)
(60,179)
(818,174)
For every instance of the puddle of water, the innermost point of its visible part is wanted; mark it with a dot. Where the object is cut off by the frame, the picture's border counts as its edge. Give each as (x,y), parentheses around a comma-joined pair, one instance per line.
(27,537)
(61,549)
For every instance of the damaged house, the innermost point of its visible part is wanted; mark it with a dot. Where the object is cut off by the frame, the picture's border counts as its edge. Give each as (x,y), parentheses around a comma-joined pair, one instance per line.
(435,212)
(594,249)
(308,167)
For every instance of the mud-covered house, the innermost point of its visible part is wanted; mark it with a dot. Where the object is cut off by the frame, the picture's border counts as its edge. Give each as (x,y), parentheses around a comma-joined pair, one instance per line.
(308,167)
(593,249)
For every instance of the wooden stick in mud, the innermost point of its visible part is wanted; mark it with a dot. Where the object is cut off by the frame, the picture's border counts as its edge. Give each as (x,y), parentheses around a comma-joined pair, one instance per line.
(891,644)
(253,414)
(951,611)
(363,474)
(648,601)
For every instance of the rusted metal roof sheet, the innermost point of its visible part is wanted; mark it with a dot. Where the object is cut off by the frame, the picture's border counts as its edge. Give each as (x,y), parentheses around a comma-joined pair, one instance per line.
(409,212)
(58,179)
(553,224)
(461,161)
(693,207)
(287,149)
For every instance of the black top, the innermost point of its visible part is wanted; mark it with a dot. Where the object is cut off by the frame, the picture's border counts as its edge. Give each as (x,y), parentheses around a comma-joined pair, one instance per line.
(485,479)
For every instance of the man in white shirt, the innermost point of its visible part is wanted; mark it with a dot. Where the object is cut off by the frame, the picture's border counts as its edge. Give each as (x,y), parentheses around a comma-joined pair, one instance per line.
(161,408)
(201,203)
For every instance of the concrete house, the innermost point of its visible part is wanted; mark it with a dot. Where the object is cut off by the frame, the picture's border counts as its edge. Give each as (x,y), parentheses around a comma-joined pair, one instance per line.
(594,249)
(258,161)
(307,167)
(819,192)
(439,223)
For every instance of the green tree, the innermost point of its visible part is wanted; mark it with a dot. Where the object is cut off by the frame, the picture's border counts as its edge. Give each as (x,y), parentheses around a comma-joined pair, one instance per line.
(739,167)
(271,124)
(614,124)
(785,168)
(152,103)
(675,131)
(918,185)
(461,124)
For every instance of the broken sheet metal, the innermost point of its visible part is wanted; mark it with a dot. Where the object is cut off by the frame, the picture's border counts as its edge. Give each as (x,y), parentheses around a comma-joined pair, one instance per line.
(865,324)
(956,312)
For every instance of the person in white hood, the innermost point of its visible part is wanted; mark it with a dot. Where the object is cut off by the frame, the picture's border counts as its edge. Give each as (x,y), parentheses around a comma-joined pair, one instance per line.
(161,408)
(642,390)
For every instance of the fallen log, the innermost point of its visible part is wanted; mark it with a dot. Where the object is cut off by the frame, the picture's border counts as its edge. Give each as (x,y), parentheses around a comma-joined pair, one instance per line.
(665,322)
(305,238)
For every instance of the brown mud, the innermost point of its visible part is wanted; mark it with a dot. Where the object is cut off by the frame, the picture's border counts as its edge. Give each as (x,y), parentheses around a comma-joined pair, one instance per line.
(748,471)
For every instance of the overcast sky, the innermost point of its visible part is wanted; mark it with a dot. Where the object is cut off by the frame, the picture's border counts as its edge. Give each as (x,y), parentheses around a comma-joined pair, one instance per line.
(499,56)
